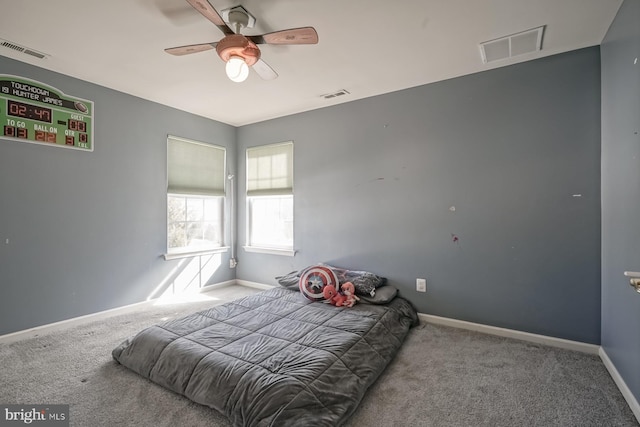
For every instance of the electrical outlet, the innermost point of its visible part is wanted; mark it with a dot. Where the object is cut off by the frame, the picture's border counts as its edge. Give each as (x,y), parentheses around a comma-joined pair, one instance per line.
(421,285)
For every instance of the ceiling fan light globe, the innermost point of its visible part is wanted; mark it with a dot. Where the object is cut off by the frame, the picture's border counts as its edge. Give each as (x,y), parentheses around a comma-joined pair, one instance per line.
(237,69)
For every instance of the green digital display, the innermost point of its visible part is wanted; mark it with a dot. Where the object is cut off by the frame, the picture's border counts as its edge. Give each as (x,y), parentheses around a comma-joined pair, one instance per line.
(34,112)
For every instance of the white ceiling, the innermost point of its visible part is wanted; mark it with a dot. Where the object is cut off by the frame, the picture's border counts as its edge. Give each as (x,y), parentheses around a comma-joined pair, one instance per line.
(367,47)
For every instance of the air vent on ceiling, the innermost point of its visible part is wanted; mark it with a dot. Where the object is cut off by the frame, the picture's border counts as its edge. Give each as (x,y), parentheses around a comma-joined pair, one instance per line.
(27,51)
(337,93)
(515,44)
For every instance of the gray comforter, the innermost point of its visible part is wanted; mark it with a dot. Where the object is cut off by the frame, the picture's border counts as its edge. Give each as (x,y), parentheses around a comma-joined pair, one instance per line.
(273,358)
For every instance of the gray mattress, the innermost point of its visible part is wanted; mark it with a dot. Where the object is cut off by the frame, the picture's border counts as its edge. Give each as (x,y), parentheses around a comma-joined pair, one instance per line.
(273,358)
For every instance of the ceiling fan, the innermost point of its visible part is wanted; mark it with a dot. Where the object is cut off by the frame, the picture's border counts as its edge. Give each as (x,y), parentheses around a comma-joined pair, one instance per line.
(239,51)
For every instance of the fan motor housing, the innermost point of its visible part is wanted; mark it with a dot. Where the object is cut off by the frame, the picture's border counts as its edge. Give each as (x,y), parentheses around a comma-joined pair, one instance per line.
(238,45)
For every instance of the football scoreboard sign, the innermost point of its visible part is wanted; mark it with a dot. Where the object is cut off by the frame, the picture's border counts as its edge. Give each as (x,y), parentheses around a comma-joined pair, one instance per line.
(31,111)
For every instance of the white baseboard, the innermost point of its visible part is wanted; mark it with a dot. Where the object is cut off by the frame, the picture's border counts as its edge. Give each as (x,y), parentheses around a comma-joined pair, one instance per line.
(511,333)
(255,285)
(51,327)
(624,389)
(217,286)
(56,326)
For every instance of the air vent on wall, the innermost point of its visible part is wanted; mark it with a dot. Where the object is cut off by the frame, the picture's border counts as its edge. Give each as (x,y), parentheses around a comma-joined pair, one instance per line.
(27,51)
(509,46)
(340,92)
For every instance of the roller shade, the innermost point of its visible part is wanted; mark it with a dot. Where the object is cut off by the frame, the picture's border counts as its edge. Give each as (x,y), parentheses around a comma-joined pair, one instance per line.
(270,170)
(195,168)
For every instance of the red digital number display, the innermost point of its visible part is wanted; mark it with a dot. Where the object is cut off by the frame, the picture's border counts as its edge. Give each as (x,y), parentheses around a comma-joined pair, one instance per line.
(27,111)
(77,125)
(43,136)
(14,132)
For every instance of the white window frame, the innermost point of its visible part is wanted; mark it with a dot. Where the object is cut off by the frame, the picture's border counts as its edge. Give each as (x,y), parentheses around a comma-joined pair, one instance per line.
(210,185)
(265,187)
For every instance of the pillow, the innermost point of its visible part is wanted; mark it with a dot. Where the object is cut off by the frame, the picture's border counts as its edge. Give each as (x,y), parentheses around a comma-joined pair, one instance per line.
(364,281)
(290,280)
(367,284)
(314,279)
(384,294)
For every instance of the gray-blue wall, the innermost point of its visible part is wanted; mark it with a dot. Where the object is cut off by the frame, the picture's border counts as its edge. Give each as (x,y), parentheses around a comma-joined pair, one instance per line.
(621,192)
(516,150)
(374,182)
(86,230)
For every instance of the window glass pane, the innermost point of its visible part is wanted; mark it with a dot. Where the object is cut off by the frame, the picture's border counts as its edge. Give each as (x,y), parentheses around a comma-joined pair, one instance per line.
(271,222)
(177,235)
(195,209)
(211,210)
(194,234)
(194,223)
(177,209)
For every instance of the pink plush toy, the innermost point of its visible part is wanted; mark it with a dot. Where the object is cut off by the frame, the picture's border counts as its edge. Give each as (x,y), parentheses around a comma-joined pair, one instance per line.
(346,297)
(349,290)
(332,296)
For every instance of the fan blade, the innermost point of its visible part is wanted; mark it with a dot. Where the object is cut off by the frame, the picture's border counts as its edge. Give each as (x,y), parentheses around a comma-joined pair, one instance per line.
(205,8)
(192,48)
(264,70)
(304,35)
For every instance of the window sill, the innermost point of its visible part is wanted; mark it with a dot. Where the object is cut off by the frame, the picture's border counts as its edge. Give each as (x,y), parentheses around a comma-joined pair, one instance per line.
(178,255)
(271,251)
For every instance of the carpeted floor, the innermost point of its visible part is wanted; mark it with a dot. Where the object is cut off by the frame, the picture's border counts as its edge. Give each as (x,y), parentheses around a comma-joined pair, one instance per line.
(452,377)
(441,377)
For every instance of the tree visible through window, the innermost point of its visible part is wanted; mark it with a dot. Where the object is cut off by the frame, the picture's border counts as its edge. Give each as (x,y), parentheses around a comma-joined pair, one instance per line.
(194,221)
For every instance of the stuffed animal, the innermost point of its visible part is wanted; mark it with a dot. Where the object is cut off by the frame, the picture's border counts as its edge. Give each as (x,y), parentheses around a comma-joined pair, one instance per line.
(349,290)
(346,297)
(332,296)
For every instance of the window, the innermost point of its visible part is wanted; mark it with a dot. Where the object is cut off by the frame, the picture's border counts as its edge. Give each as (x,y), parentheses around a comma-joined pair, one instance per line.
(270,198)
(195,196)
